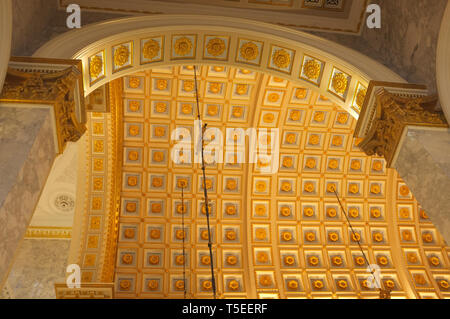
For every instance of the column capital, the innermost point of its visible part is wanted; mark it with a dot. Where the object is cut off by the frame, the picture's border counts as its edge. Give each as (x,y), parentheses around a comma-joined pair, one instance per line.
(388,109)
(53,82)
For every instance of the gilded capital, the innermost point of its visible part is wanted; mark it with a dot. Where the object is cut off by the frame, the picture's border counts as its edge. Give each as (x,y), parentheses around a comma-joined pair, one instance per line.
(387,110)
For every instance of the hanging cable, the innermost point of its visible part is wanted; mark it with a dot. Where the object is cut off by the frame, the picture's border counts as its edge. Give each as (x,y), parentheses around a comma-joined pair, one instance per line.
(384,293)
(205,192)
(184,235)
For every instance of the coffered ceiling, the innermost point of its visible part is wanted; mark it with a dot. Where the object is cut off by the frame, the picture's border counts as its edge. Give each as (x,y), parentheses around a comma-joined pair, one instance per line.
(278,235)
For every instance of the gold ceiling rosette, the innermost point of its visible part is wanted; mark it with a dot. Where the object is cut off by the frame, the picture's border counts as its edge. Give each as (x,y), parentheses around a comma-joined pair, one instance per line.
(121,55)
(215,47)
(183,46)
(311,69)
(281,58)
(151,49)
(95,66)
(249,51)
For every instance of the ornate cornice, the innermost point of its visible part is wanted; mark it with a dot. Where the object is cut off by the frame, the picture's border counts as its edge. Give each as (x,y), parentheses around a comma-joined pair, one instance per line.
(54,82)
(386,113)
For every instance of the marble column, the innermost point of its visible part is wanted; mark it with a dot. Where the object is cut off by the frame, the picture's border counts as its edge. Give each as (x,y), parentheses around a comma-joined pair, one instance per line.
(27,151)
(399,122)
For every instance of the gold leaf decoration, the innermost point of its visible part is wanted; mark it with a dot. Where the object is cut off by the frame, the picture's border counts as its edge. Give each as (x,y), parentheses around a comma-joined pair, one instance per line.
(215,47)
(312,70)
(281,58)
(183,46)
(360,97)
(340,83)
(151,49)
(95,66)
(249,51)
(121,55)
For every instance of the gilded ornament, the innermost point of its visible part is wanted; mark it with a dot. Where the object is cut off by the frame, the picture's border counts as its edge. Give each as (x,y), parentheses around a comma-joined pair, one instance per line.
(134,106)
(134,82)
(186,108)
(153,284)
(205,260)
(160,107)
(95,66)
(308,211)
(98,146)
(260,210)
(98,184)
(309,187)
(204,234)
(333,236)
(319,117)
(289,260)
(353,188)
(337,260)
(342,118)
(161,84)
(291,138)
(127,259)
(312,69)
(180,234)
(333,164)
(125,284)
(183,46)
(286,236)
(310,163)
(340,83)
(342,284)
(310,236)
(230,209)
(188,86)
(420,279)
(427,237)
(434,261)
(249,51)
(313,260)
(355,165)
(377,236)
(444,284)
(121,55)
(273,97)
(151,49)
(331,212)
(314,139)
(203,209)
(287,162)
(285,211)
(353,212)
(295,115)
(278,80)
(281,58)
(179,260)
(382,260)
(265,280)
(404,190)
(359,260)
(292,284)
(262,257)
(133,130)
(377,166)
(218,68)
(356,237)
(230,235)
(360,97)
(268,118)
(181,208)
(158,156)
(238,111)
(130,207)
(212,109)
(331,187)
(261,234)
(215,87)
(389,284)
(337,140)
(231,260)
(208,183)
(375,212)
(215,47)
(133,155)
(156,208)
(157,182)
(286,187)
(155,234)
(412,258)
(318,284)
(98,164)
(241,89)
(260,186)
(160,131)
(231,184)
(404,213)
(423,214)
(300,93)
(179,285)
(233,285)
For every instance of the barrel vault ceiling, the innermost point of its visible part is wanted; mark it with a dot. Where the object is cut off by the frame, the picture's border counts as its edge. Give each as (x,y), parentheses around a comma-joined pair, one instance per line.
(278,235)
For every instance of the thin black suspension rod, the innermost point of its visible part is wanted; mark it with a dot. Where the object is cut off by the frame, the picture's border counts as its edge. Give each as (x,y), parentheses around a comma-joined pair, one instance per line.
(184,235)
(205,192)
(372,271)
